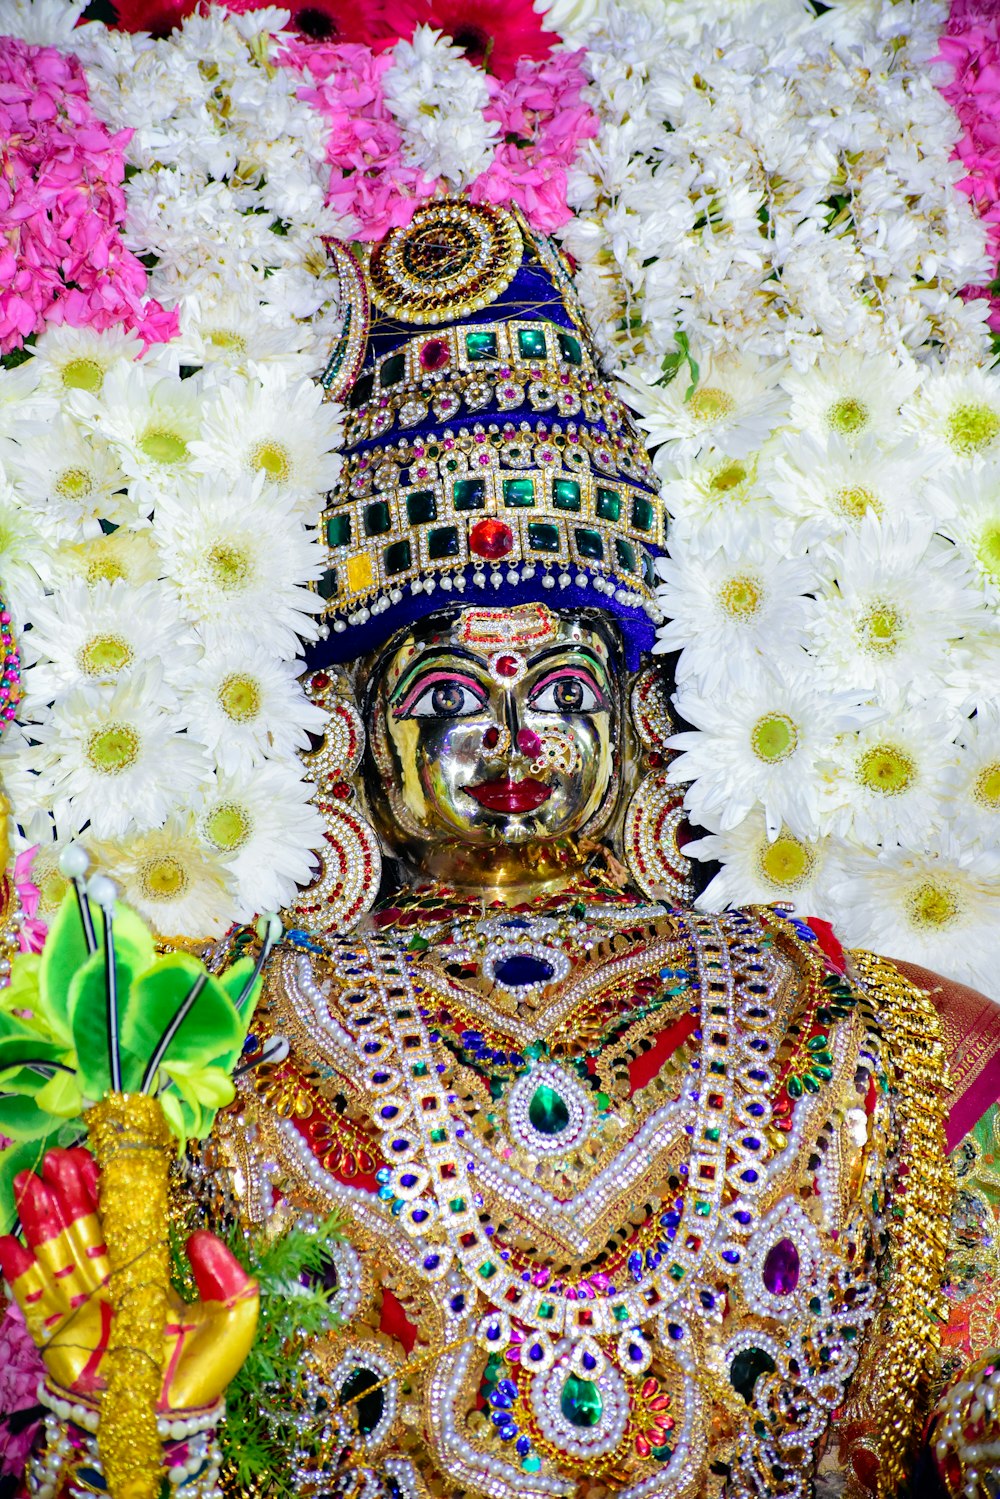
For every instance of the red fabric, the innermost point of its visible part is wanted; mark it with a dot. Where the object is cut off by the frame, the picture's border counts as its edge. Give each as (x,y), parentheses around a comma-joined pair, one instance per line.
(395,1323)
(643,1068)
(827,941)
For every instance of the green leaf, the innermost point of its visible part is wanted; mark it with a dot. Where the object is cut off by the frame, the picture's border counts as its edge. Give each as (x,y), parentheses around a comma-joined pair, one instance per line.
(65,951)
(88,1016)
(184,1121)
(61,1096)
(19,1049)
(22,1119)
(212,1034)
(211,1087)
(24,1156)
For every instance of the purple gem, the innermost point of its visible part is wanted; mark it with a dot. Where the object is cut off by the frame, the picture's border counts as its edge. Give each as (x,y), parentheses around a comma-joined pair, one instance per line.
(781,1268)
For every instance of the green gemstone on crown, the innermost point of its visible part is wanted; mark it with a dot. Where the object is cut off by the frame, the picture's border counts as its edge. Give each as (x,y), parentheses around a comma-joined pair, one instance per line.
(543,537)
(469,494)
(481,345)
(609,504)
(626,554)
(442,542)
(566,494)
(338,531)
(393,370)
(531,343)
(581,1403)
(421,506)
(642,513)
(397,557)
(589,544)
(327,585)
(377,519)
(519,492)
(547,1111)
(570,348)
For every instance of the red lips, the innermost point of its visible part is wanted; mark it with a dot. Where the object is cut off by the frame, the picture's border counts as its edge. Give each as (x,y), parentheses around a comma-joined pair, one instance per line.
(510,796)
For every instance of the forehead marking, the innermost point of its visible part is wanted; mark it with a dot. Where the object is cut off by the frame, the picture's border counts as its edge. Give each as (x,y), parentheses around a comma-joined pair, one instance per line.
(526,625)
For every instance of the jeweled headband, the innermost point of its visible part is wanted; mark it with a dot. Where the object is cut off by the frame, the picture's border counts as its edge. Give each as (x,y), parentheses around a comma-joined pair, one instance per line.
(486,458)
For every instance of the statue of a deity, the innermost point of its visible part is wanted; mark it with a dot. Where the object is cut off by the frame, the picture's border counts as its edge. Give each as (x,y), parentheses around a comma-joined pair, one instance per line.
(636,1200)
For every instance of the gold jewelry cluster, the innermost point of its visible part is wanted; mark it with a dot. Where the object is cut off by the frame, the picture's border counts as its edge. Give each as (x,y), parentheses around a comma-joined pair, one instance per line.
(132,1145)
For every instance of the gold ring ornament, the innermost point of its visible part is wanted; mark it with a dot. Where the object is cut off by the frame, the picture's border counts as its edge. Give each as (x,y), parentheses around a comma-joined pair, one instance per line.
(450,260)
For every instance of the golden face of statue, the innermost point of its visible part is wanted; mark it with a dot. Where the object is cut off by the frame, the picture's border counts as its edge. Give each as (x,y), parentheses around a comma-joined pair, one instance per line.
(493,740)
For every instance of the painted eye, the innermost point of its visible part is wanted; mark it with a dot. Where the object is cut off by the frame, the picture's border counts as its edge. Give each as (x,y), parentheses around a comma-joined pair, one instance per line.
(446,700)
(566,694)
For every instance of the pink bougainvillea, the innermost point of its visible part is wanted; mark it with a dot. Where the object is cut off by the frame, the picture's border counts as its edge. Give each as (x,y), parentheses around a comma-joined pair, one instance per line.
(971,47)
(62,205)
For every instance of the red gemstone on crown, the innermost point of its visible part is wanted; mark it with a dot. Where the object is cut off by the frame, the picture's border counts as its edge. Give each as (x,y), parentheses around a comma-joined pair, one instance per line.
(506,666)
(435,354)
(491,539)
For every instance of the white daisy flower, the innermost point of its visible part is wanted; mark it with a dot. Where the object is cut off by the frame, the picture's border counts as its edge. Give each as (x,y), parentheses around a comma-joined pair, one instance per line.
(247,707)
(22,400)
(897,600)
(266,426)
(22,786)
(113,757)
(25,556)
(264,828)
(104,633)
(759,870)
(934,908)
(129,555)
(226,325)
(958,413)
(767,740)
(734,407)
(68,359)
(151,420)
(171,879)
(438,99)
(852,396)
(239,561)
(974,796)
(890,780)
(731,607)
(829,485)
(966,506)
(713,489)
(70,480)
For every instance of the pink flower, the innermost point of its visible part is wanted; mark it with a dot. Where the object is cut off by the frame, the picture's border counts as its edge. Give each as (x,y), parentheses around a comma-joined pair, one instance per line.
(33,929)
(21,1368)
(62,206)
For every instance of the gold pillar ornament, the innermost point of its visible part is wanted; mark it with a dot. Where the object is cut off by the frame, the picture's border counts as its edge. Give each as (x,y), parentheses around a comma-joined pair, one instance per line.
(132,1144)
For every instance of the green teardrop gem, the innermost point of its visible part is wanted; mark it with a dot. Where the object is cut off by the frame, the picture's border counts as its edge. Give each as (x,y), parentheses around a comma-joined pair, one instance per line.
(547,1111)
(581,1402)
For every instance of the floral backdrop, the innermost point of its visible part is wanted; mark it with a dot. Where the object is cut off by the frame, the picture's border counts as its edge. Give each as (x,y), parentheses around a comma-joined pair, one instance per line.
(787,248)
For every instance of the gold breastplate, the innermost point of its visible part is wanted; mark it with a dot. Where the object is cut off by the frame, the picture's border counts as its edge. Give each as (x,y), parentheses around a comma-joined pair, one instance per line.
(621,1171)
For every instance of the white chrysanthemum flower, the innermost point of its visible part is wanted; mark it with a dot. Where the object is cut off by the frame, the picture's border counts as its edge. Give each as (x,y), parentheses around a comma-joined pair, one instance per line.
(22,786)
(766,740)
(438,100)
(68,359)
(829,485)
(171,879)
(69,480)
(896,601)
(966,506)
(113,757)
(758,869)
(974,794)
(247,707)
(104,633)
(734,407)
(958,414)
(240,560)
(151,420)
(263,826)
(129,555)
(22,399)
(852,396)
(731,607)
(890,779)
(44,23)
(937,909)
(268,426)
